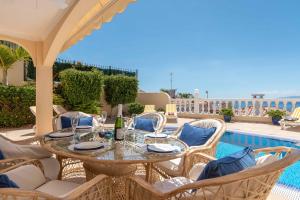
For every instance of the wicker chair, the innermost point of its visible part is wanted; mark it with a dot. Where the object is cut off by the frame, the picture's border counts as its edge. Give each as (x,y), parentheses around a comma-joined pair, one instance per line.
(97,188)
(162,119)
(179,166)
(71,168)
(57,121)
(250,184)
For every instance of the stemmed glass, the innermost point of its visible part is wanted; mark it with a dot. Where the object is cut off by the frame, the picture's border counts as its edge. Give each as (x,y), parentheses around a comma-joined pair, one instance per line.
(134,120)
(103,117)
(125,128)
(155,126)
(74,123)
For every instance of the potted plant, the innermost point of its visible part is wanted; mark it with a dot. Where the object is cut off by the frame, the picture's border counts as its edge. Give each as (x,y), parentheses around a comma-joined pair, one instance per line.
(227,114)
(276,116)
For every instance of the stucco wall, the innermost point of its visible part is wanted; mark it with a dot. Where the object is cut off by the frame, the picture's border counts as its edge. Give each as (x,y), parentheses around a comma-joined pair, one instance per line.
(159,99)
(15,74)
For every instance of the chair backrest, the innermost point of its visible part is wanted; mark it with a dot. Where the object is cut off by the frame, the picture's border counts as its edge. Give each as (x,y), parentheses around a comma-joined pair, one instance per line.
(296,114)
(58,109)
(161,119)
(57,120)
(215,138)
(253,183)
(249,184)
(149,109)
(171,108)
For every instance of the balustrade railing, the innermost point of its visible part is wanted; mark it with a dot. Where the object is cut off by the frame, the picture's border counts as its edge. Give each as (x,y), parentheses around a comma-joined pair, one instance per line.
(241,107)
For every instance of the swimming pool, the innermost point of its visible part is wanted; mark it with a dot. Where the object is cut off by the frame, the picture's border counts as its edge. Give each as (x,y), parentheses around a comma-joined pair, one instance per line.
(235,141)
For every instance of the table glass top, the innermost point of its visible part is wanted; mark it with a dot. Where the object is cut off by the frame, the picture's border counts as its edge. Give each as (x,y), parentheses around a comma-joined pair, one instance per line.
(133,148)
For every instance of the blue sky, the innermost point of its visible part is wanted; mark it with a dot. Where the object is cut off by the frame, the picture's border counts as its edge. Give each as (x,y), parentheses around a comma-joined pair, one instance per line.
(231,48)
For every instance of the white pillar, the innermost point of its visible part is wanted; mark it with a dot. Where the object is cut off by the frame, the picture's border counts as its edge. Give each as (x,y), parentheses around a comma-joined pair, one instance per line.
(44,98)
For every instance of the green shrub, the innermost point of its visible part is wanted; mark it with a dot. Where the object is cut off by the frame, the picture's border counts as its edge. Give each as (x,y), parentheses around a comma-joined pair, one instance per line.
(14,105)
(226,112)
(82,89)
(277,114)
(120,89)
(161,110)
(135,108)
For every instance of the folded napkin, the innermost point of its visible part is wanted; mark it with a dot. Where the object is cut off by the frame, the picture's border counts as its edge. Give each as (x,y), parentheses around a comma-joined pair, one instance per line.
(162,148)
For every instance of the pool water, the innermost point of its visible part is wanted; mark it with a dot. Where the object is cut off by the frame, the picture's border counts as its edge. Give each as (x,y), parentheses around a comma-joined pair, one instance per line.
(232,142)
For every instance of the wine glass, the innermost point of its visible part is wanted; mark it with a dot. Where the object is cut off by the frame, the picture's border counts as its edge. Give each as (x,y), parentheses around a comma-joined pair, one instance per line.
(134,120)
(104,117)
(74,123)
(155,127)
(125,128)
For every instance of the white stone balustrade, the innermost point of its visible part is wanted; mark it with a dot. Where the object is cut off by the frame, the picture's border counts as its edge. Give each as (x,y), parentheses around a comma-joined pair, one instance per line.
(241,107)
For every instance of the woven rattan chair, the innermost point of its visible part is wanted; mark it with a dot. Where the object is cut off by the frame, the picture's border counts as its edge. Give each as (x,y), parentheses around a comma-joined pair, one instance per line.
(71,168)
(161,119)
(180,166)
(249,184)
(97,188)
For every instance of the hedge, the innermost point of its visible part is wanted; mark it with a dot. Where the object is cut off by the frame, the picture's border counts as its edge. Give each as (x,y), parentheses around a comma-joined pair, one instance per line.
(82,89)
(120,89)
(135,108)
(14,105)
(61,65)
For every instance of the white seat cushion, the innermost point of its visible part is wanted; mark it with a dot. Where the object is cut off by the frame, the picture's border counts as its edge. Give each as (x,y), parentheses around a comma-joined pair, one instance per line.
(27,177)
(51,168)
(58,188)
(170,184)
(173,167)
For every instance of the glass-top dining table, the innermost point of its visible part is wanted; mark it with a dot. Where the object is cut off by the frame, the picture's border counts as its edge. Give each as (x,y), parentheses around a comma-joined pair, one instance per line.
(114,158)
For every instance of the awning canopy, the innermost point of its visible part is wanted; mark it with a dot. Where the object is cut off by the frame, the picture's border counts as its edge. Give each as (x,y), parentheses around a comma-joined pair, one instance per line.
(57,24)
(47,27)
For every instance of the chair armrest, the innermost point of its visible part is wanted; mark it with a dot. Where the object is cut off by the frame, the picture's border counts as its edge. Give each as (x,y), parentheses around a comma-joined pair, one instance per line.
(6,163)
(137,189)
(99,187)
(34,162)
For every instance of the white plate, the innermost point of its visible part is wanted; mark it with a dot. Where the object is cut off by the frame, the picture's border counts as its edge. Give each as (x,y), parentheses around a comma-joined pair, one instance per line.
(88,146)
(83,127)
(60,134)
(162,148)
(158,135)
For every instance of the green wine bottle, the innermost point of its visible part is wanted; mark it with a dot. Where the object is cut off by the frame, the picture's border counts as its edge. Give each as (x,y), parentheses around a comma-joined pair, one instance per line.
(118,133)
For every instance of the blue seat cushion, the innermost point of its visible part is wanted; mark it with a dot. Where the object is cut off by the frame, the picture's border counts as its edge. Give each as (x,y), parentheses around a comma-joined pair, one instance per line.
(65,122)
(5,182)
(1,156)
(195,136)
(228,165)
(145,124)
(85,121)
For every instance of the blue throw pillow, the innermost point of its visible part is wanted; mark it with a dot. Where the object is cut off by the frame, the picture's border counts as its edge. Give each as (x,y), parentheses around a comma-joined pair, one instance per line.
(228,165)
(195,136)
(1,156)
(145,124)
(85,121)
(65,122)
(5,182)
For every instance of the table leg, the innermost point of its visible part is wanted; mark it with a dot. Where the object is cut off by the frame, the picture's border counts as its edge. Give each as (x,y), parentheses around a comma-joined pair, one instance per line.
(148,172)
